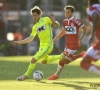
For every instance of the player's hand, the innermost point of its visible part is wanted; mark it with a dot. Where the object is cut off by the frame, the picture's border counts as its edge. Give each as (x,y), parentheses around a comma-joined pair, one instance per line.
(53,41)
(15,42)
(52,16)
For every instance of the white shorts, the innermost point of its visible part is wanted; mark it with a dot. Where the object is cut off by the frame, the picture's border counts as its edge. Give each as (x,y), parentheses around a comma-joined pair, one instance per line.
(93,53)
(69,51)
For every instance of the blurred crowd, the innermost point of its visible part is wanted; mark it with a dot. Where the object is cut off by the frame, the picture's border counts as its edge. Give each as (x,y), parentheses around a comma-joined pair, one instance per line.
(16,24)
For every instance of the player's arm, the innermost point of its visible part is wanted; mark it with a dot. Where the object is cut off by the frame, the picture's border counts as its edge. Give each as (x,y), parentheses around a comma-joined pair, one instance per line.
(62,33)
(55,23)
(96,18)
(27,40)
(84,29)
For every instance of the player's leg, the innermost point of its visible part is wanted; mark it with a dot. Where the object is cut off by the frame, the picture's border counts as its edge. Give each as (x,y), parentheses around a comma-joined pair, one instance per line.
(40,54)
(74,57)
(70,54)
(91,55)
(65,60)
(61,56)
(50,58)
(29,70)
(59,68)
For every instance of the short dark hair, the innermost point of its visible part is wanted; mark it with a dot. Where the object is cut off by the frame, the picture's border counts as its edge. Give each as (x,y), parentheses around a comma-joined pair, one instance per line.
(93,2)
(36,9)
(70,7)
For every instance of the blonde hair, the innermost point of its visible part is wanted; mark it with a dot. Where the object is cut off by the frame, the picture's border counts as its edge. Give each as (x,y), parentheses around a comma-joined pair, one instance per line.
(70,7)
(37,10)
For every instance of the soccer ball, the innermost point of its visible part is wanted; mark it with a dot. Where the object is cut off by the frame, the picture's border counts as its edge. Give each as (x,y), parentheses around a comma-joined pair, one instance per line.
(38,75)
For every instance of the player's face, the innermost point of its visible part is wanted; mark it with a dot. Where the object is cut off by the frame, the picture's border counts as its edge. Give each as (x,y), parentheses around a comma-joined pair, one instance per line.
(68,13)
(35,16)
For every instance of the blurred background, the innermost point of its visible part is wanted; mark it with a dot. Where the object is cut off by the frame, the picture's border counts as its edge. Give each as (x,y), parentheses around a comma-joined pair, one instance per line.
(16,24)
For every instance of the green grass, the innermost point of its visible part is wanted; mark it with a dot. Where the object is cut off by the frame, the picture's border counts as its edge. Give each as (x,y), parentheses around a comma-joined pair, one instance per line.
(72,77)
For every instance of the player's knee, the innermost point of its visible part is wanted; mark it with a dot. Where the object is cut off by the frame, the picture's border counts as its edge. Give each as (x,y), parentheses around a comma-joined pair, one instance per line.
(85,64)
(33,60)
(44,62)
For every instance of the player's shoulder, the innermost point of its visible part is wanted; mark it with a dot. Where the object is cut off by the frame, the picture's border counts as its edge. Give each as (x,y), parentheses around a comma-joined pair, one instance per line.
(46,18)
(93,8)
(89,10)
(64,20)
(34,26)
(76,19)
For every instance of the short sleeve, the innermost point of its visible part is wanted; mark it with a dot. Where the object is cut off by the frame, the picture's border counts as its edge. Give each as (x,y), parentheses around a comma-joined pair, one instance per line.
(33,33)
(79,23)
(48,20)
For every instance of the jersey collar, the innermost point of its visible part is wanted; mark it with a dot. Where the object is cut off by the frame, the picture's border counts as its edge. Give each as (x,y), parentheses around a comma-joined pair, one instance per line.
(39,20)
(70,18)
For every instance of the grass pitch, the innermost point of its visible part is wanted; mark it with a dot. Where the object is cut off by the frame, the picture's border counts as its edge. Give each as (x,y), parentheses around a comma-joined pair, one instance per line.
(72,77)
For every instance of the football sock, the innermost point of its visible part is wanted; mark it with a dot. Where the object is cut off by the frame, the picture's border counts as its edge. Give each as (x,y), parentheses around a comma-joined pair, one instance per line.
(90,67)
(59,69)
(94,69)
(87,63)
(30,69)
(52,58)
(60,66)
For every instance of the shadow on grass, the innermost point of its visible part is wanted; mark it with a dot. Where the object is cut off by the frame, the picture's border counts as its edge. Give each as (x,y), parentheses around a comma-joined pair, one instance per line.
(76,85)
(9,70)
